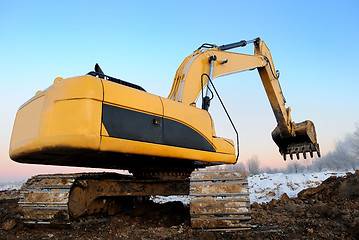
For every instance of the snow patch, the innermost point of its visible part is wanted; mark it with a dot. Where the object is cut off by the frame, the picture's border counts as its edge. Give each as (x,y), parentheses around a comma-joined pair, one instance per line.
(265,187)
(10,185)
(163,199)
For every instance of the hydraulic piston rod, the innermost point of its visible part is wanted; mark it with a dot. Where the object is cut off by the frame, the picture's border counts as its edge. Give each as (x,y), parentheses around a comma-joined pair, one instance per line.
(242,43)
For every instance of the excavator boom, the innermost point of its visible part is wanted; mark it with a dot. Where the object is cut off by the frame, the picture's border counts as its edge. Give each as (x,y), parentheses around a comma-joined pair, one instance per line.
(215,61)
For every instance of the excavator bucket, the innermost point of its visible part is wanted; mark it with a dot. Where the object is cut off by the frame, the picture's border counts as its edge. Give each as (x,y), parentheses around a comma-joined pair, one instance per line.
(304,140)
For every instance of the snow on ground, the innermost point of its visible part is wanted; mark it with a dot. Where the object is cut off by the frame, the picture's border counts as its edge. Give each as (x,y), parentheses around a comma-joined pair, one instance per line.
(262,187)
(163,199)
(10,185)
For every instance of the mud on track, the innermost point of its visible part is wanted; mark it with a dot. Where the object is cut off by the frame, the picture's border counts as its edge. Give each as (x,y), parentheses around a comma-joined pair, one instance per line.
(329,211)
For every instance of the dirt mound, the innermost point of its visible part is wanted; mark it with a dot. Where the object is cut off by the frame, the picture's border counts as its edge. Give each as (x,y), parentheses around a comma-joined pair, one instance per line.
(334,189)
(330,211)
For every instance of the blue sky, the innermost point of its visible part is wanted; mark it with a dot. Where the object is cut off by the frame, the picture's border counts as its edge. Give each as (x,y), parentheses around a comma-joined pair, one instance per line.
(313,44)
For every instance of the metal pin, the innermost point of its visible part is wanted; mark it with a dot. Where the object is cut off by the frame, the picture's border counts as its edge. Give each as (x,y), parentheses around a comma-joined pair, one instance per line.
(224,61)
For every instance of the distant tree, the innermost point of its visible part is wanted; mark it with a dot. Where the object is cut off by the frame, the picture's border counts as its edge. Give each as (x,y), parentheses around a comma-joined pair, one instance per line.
(228,167)
(307,162)
(317,165)
(345,155)
(240,166)
(253,165)
(295,167)
(268,170)
(334,161)
(339,159)
(354,142)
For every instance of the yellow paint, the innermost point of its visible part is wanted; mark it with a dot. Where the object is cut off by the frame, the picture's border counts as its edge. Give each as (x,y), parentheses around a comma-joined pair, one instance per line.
(104,131)
(28,115)
(130,98)
(150,149)
(67,114)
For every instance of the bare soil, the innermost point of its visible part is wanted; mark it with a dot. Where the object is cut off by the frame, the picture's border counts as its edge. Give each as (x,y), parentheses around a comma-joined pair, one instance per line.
(329,211)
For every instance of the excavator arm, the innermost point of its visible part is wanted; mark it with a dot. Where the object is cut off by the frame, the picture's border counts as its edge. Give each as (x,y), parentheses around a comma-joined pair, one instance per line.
(215,61)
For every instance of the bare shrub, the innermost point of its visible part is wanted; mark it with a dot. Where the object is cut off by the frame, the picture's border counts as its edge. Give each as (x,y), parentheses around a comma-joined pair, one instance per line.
(253,165)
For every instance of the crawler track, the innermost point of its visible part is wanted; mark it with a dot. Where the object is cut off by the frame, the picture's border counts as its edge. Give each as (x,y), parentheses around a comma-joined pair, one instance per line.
(44,199)
(59,198)
(220,200)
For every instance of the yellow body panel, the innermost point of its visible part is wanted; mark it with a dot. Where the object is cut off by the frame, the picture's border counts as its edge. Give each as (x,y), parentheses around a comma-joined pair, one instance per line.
(109,144)
(224,145)
(67,115)
(126,97)
(81,121)
(28,115)
(64,125)
(197,119)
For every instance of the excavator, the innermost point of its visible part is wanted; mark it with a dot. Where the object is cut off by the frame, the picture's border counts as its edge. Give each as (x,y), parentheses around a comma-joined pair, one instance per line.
(99,121)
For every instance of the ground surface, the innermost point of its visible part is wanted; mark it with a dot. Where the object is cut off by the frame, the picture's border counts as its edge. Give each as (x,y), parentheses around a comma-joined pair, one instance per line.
(329,211)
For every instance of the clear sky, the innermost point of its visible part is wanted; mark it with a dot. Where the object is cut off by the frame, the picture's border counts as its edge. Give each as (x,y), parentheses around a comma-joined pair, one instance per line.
(313,44)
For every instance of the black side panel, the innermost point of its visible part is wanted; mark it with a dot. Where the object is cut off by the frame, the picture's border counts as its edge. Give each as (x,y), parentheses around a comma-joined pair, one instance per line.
(179,135)
(131,125)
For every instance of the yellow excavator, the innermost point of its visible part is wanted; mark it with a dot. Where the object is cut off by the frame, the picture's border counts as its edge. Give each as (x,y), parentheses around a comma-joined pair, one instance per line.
(103,122)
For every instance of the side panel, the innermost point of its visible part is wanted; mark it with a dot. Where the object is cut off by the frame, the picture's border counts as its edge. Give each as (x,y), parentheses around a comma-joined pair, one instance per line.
(81,117)
(132,125)
(194,118)
(136,122)
(179,135)
(132,99)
